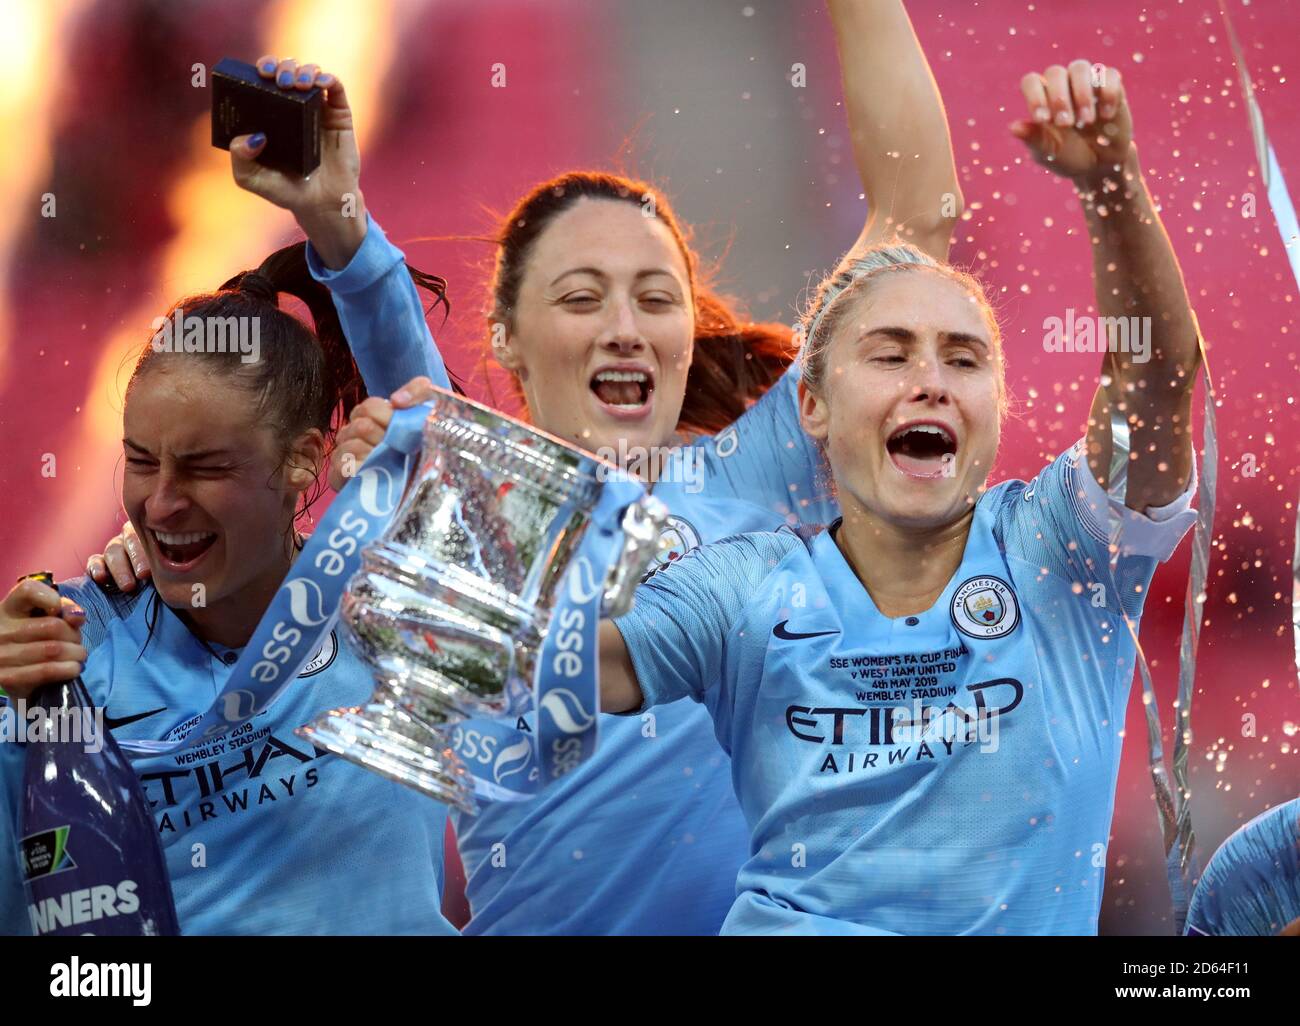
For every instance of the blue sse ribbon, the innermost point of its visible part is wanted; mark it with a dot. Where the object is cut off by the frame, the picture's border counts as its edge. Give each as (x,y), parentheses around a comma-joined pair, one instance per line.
(515,760)
(306,606)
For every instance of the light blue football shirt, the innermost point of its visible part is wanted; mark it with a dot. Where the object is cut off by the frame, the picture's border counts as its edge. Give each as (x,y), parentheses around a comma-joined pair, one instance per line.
(646,837)
(262,833)
(1251,888)
(950,772)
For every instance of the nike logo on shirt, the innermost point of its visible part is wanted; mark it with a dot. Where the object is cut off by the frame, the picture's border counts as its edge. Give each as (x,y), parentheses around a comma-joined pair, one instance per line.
(780,632)
(113,723)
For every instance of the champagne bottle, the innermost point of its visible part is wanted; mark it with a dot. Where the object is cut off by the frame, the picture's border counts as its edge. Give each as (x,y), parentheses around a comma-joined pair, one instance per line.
(91,859)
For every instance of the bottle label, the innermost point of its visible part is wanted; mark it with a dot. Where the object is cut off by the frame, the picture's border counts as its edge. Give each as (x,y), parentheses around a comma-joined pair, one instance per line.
(84,905)
(46,853)
(88,844)
(83,902)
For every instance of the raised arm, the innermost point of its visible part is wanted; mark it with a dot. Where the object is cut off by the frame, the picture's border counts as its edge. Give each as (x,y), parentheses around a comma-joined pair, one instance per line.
(904,156)
(374,294)
(619,690)
(327,204)
(1080,128)
(900,134)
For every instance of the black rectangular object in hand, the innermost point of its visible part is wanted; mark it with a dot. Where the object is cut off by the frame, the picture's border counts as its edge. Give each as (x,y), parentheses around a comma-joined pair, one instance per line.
(243,102)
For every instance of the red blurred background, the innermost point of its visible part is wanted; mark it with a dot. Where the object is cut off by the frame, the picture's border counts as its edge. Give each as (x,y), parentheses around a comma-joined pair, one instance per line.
(104,118)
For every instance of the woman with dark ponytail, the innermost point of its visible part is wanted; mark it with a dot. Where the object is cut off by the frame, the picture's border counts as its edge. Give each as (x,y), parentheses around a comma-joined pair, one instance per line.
(606,320)
(227,432)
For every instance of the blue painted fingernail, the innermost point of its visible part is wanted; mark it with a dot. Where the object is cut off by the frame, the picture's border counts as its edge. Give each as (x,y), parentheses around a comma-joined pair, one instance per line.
(285,78)
(325,80)
(267,68)
(304,76)
(256,139)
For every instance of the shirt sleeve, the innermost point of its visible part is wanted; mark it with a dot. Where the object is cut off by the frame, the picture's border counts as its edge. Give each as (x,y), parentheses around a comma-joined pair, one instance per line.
(1251,888)
(1154,532)
(679,630)
(102,609)
(379,308)
(1066,507)
(767,458)
(1063,522)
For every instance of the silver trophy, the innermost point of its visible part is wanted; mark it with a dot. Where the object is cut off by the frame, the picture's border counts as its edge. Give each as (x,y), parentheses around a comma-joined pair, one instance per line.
(452,603)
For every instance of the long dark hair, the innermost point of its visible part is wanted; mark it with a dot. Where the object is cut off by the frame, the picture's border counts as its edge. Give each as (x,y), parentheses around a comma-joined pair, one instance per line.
(735,359)
(305,376)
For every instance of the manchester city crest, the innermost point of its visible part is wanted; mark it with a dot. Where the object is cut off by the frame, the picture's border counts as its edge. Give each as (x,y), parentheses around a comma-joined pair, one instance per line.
(985,607)
(677,538)
(322,657)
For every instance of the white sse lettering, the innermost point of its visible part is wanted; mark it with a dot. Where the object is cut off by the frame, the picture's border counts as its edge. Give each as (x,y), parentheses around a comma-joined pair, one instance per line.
(568,642)
(342,542)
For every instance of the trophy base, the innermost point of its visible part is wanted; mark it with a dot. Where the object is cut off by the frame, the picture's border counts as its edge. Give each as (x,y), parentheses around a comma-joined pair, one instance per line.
(396,745)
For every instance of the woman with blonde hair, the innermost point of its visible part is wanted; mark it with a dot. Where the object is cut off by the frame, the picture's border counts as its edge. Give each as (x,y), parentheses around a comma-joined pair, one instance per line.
(923,704)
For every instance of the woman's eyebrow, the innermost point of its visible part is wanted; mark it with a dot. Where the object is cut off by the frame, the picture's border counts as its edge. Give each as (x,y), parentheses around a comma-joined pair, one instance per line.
(595,272)
(908,337)
(201,454)
(962,338)
(897,334)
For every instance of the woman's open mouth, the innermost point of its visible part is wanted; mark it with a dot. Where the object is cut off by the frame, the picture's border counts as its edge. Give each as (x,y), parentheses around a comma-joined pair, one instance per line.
(924,449)
(626,393)
(182,551)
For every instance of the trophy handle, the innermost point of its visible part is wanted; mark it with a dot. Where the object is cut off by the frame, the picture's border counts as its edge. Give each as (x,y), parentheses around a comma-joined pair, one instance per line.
(643,522)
